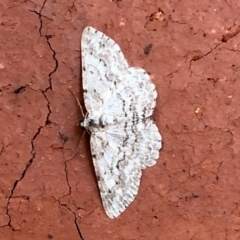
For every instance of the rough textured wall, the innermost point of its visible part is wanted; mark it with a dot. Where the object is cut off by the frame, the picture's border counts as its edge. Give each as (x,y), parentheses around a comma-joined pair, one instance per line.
(191,49)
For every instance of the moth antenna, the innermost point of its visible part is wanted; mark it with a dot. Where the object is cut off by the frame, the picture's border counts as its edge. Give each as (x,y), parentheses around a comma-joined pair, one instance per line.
(79,104)
(76,150)
(62,135)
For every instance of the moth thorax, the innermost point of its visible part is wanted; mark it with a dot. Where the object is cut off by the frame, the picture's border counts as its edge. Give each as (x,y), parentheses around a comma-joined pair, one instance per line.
(89,123)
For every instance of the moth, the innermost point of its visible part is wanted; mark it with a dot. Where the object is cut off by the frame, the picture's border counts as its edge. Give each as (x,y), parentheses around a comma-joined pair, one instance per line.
(119,100)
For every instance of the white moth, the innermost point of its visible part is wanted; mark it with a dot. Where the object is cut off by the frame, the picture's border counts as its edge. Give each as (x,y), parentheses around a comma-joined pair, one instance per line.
(120,101)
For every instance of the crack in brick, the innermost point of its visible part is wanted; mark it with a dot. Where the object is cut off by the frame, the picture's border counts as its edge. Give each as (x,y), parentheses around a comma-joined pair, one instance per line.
(65,205)
(66,173)
(48,42)
(20,89)
(3,148)
(48,105)
(75,219)
(21,177)
(232,50)
(54,58)
(218,170)
(231,34)
(225,38)
(199,57)
(30,161)
(67,180)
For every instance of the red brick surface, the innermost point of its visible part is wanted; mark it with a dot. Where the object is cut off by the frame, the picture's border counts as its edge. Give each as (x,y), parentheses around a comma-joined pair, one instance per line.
(193,192)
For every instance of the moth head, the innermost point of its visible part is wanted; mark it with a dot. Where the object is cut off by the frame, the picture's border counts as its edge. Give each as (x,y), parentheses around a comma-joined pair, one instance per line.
(84,123)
